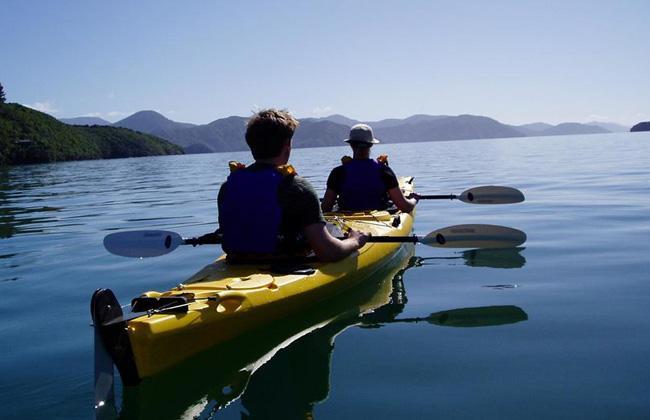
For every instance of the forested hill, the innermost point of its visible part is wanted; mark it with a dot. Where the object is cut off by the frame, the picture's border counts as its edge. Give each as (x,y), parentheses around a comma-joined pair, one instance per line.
(29,136)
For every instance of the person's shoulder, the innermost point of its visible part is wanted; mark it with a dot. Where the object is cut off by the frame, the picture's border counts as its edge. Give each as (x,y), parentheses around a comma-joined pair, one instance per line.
(298,184)
(299,181)
(338,169)
(387,170)
(336,177)
(388,176)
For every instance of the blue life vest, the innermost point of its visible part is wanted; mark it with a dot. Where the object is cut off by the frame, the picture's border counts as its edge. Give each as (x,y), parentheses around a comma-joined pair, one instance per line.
(362,187)
(250,213)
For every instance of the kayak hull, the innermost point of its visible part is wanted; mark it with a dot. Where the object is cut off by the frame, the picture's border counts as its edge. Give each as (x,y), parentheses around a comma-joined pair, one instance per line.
(223,301)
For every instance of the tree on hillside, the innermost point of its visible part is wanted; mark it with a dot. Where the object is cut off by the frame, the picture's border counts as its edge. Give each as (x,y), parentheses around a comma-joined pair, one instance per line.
(2,94)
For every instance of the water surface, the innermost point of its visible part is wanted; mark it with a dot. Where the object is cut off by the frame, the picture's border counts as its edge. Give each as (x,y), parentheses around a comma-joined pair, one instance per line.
(581,280)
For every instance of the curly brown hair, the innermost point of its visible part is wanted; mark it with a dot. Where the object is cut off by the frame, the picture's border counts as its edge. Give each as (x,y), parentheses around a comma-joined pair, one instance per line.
(268,130)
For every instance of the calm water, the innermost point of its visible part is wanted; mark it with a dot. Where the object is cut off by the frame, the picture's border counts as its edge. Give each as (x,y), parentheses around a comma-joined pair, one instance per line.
(562,331)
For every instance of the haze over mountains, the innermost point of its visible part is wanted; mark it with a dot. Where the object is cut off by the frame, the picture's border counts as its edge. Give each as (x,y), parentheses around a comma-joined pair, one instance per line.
(227,134)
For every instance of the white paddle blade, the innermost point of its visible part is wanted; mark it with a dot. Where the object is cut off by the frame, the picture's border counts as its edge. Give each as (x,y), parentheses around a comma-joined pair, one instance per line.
(491,194)
(142,243)
(475,236)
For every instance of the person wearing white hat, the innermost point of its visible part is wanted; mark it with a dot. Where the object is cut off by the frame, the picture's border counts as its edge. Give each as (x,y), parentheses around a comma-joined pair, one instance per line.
(362,183)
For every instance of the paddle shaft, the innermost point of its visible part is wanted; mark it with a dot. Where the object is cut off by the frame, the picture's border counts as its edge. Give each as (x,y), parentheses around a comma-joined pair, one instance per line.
(214,240)
(392,239)
(438,197)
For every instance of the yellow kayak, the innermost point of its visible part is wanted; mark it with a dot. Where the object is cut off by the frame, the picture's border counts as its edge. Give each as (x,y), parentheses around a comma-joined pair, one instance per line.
(223,301)
(223,373)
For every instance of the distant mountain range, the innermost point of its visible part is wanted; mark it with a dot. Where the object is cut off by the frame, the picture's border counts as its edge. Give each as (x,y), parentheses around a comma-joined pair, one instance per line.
(614,128)
(227,134)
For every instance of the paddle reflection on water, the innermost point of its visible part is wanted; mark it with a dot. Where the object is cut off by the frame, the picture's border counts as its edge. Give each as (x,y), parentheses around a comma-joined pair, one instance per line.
(493,258)
(283,370)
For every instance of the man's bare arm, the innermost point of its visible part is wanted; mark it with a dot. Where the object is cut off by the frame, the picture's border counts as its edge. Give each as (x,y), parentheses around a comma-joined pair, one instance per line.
(328,201)
(405,204)
(329,248)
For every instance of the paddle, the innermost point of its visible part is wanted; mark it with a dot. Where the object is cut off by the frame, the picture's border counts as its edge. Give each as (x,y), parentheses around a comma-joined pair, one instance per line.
(489,194)
(152,243)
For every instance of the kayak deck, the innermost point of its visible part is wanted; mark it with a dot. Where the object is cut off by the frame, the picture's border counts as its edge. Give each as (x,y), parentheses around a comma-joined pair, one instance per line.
(223,300)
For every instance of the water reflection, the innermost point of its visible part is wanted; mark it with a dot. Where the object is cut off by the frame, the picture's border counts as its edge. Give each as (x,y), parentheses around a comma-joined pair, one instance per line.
(283,371)
(493,258)
(14,217)
(14,222)
(483,316)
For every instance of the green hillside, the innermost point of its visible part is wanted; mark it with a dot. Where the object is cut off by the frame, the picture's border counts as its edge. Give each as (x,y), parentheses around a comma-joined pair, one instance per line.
(29,136)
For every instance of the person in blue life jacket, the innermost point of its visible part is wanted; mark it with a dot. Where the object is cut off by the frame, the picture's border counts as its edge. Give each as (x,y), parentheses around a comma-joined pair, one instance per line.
(266,210)
(362,183)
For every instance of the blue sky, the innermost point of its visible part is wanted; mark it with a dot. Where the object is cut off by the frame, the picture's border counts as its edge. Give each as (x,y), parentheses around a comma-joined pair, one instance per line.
(196,61)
